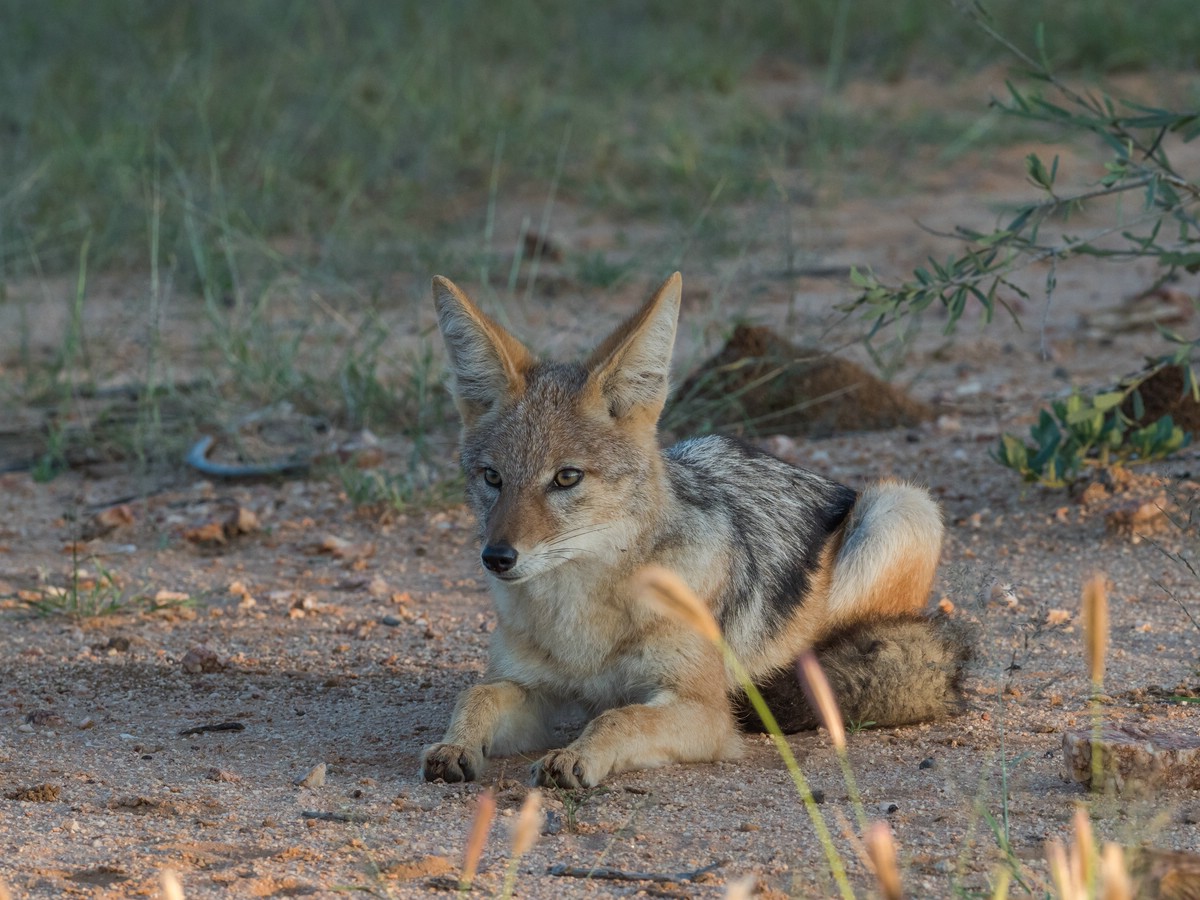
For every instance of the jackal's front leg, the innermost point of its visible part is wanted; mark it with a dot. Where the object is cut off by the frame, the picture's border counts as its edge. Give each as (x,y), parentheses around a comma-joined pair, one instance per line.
(669,729)
(495,717)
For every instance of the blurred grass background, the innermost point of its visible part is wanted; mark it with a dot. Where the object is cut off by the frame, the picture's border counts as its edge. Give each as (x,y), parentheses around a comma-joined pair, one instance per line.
(366,128)
(265,158)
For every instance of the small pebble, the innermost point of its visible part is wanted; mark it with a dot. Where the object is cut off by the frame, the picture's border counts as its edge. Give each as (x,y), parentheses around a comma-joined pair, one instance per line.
(45,718)
(200,659)
(315,777)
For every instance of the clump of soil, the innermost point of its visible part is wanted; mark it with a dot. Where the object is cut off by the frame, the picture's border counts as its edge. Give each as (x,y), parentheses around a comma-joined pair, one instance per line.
(42,793)
(760,382)
(1166,393)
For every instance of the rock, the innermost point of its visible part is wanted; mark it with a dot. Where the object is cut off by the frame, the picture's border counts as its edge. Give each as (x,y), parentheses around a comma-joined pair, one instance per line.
(1139,519)
(1133,760)
(315,777)
(340,548)
(1094,494)
(201,659)
(208,534)
(552,823)
(45,718)
(108,520)
(241,521)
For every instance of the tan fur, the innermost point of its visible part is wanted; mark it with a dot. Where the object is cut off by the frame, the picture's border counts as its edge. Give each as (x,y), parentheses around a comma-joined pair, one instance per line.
(572,631)
(511,358)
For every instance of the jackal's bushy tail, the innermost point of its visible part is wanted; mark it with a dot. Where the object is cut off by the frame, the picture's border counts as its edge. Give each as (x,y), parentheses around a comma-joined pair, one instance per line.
(893,671)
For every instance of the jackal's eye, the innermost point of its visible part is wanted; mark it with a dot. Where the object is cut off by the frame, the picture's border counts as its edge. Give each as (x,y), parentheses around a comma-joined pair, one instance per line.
(567,478)
(492,477)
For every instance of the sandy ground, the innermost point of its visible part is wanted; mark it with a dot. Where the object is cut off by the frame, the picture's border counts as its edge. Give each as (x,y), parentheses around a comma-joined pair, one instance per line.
(342,637)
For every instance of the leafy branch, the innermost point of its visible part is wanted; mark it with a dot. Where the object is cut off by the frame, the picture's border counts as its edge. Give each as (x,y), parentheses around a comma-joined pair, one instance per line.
(1111,427)
(982,270)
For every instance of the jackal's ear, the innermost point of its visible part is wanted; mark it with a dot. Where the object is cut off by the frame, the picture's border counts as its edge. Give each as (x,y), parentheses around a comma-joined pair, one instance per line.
(486,362)
(630,369)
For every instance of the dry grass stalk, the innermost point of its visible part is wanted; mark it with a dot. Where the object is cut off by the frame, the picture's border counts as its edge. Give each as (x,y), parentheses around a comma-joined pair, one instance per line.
(1060,871)
(1095,624)
(820,697)
(4,894)
(1115,873)
(669,595)
(882,850)
(171,888)
(741,888)
(485,811)
(1002,879)
(1083,852)
(529,824)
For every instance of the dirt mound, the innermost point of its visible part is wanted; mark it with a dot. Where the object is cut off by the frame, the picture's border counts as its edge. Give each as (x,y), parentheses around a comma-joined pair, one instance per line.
(761,383)
(1166,392)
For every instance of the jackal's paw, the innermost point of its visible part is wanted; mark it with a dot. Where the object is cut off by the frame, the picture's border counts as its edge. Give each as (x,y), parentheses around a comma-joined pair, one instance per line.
(451,762)
(565,769)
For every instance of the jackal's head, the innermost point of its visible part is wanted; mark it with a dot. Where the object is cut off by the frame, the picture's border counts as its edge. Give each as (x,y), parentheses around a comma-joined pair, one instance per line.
(561,459)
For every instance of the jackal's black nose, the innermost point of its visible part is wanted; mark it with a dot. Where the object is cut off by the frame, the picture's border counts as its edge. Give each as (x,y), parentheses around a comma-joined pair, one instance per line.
(499,558)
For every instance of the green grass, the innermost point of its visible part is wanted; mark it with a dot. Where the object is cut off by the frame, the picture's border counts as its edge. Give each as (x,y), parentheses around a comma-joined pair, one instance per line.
(340,124)
(278,169)
(87,595)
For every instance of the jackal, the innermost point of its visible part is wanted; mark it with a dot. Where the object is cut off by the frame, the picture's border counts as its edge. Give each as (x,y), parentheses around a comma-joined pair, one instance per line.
(574,496)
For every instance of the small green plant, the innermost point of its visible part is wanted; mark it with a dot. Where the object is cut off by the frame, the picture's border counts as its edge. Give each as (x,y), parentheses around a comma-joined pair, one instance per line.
(87,596)
(398,491)
(52,462)
(1088,431)
(573,801)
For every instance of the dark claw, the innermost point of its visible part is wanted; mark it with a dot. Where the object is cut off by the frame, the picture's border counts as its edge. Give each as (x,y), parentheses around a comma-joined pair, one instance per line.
(465,764)
(437,770)
(578,770)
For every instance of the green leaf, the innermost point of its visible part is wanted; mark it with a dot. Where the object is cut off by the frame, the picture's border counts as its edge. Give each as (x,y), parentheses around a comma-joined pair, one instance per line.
(1139,406)
(1013,453)
(1108,400)
(1185,260)
(861,279)
(1038,173)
